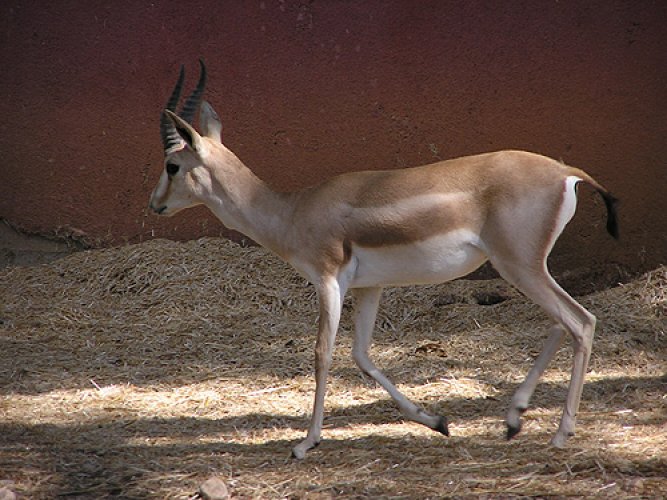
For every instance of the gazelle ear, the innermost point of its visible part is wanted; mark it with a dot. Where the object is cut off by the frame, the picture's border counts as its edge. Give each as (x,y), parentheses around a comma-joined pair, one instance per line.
(209,122)
(186,131)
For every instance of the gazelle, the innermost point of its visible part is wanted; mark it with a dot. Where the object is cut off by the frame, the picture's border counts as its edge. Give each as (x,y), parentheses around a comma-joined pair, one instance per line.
(363,231)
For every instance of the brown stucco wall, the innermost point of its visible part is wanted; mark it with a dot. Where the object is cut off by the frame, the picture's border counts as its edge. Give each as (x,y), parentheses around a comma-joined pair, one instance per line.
(308,89)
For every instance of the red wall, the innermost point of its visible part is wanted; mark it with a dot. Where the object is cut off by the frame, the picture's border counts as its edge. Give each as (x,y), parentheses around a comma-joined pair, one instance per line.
(308,89)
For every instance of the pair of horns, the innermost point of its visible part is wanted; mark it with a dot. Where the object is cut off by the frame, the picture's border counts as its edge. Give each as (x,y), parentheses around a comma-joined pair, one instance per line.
(170,138)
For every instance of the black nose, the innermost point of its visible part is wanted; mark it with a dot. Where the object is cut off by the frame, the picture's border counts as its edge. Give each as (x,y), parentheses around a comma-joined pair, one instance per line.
(159,210)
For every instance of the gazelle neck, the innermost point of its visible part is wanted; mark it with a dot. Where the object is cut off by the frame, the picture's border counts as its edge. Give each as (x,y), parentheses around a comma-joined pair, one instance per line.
(245,203)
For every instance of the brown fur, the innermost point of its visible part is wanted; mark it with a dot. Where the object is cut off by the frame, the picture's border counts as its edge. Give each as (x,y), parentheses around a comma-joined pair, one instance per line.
(360,207)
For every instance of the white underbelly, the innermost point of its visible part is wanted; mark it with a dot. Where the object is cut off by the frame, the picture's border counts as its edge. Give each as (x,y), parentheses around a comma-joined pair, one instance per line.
(435,260)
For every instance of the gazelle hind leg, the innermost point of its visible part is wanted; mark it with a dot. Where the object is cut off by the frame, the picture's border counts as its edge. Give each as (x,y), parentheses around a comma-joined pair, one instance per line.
(521,398)
(368,300)
(571,317)
(582,345)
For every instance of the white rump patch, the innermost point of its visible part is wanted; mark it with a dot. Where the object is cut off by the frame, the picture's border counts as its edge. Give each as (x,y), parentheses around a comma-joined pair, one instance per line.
(567,209)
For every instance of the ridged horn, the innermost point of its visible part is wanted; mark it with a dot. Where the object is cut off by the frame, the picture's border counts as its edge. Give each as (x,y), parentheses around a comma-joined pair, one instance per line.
(194,100)
(170,137)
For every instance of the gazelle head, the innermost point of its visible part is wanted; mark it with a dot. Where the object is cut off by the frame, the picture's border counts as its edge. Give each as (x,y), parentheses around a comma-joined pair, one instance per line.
(185,177)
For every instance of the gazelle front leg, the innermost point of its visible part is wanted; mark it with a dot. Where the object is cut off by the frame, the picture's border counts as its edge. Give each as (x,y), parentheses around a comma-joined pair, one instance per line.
(330,297)
(368,300)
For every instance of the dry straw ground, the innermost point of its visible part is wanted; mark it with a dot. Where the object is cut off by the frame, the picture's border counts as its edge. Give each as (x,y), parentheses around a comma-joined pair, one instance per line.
(140,371)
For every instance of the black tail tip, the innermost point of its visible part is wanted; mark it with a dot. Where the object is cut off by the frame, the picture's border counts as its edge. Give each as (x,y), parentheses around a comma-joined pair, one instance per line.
(611,203)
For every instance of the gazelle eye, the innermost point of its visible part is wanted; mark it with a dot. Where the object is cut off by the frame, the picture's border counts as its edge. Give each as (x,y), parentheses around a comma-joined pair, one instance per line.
(172,168)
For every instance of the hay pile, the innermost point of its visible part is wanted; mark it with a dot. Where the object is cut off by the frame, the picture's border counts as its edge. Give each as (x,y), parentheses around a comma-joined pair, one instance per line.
(141,371)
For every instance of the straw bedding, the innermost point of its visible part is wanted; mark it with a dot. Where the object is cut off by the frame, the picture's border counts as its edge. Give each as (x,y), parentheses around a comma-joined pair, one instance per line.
(140,371)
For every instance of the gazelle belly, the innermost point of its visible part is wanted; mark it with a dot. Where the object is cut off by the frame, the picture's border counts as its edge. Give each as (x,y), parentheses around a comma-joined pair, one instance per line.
(434,260)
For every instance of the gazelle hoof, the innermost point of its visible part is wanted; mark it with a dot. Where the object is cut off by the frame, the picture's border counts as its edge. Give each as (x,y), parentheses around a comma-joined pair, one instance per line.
(513,430)
(441,426)
(559,439)
(300,450)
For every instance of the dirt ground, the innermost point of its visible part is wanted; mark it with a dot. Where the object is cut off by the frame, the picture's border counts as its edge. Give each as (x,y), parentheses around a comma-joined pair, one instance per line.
(20,249)
(140,371)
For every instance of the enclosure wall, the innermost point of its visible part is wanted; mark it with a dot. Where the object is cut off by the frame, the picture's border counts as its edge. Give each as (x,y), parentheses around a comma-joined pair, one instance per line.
(309,89)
